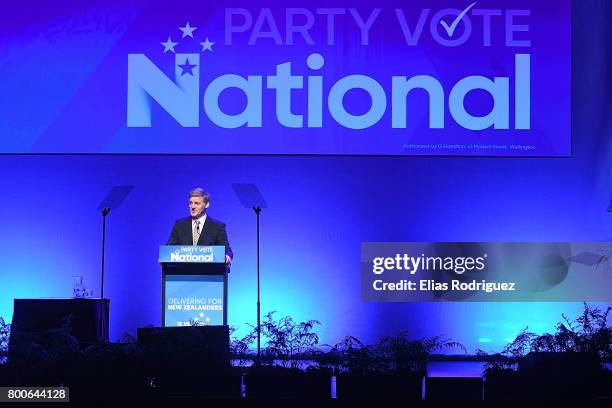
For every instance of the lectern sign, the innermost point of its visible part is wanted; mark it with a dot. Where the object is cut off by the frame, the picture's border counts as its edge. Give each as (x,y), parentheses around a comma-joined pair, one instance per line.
(193,285)
(193,300)
(191,254)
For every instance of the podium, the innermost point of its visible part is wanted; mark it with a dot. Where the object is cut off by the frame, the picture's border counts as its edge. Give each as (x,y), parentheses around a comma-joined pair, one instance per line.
(194,285)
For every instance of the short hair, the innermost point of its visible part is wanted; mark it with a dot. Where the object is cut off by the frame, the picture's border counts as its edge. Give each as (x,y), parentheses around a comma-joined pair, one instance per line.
(198,192)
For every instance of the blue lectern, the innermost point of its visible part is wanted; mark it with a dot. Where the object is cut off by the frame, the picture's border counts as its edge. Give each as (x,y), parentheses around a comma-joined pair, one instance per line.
(194,285)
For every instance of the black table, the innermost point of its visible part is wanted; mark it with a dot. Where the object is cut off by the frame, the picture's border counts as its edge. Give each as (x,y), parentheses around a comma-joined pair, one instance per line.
(88,318)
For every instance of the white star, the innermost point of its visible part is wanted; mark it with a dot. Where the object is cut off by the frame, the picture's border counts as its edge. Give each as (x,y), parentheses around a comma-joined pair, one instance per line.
(201,314)
(187,30)
(207,45)
(208,319)
(168,45)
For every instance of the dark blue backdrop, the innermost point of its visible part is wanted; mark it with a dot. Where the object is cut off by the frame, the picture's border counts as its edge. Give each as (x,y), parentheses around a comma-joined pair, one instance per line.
(321,209)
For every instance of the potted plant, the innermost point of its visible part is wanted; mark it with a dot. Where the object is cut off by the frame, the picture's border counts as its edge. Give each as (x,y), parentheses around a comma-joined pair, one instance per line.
(395,366)
(564,364)
(286,367)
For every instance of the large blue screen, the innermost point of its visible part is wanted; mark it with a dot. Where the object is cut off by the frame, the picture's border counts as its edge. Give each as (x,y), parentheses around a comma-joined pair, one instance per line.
(435,77)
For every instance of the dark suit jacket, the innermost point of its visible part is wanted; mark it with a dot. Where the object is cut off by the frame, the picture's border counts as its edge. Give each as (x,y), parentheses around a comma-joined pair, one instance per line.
(213,233)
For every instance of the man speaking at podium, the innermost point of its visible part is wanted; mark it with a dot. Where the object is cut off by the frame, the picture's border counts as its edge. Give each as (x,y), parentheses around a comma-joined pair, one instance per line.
(199,228)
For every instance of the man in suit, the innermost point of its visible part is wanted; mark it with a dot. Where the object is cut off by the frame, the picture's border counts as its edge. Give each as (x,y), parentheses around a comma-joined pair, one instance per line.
(199,228)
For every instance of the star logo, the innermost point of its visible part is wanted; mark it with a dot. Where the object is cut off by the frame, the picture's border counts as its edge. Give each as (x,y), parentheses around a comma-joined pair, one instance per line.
(187,67)
(168,45)
(207,45)
(187,30)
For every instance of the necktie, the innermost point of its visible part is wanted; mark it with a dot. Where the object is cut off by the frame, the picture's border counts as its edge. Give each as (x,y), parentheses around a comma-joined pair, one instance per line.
(196,232)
